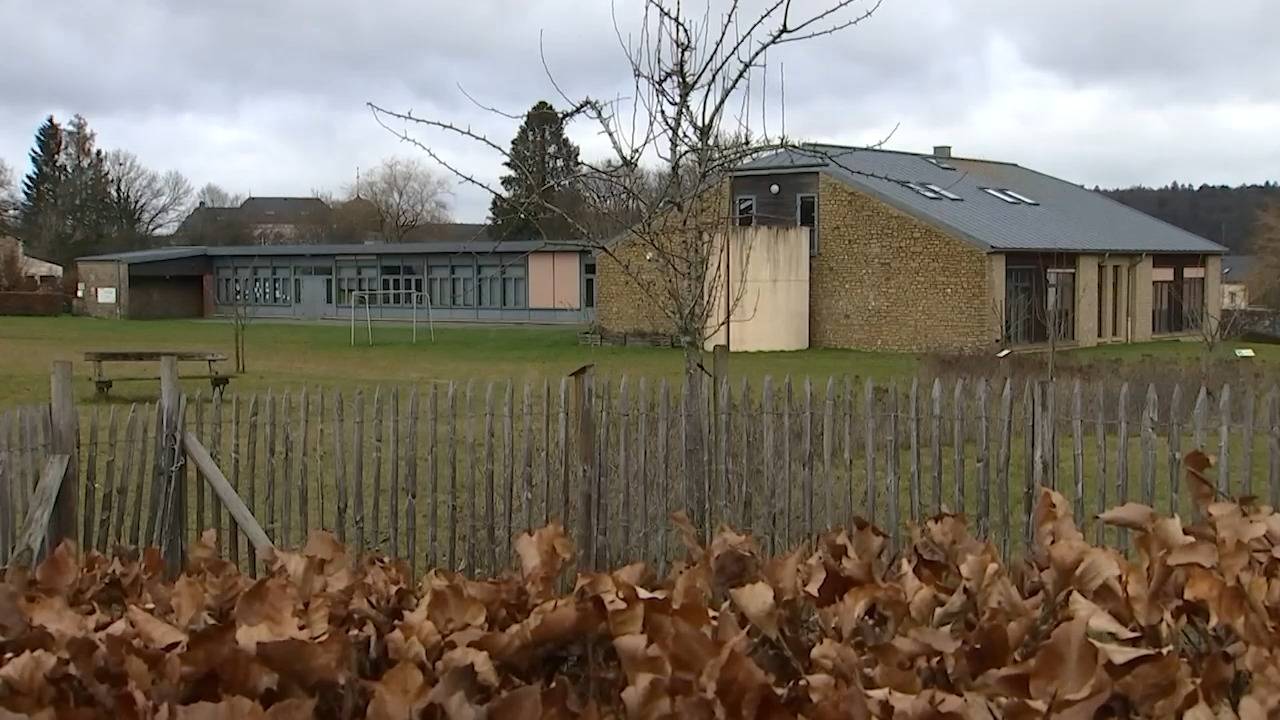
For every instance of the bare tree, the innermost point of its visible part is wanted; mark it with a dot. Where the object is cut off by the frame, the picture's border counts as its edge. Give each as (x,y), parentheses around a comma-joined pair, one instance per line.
(213,195)
(147,202)
(407,194)
(8,197)
(690,112)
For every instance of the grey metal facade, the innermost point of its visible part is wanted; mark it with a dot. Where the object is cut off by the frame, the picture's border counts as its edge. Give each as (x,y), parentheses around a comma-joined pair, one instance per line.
(457,286)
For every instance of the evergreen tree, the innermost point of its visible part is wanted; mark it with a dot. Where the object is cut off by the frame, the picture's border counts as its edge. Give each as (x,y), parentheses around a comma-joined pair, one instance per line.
(540,183)
(39,215)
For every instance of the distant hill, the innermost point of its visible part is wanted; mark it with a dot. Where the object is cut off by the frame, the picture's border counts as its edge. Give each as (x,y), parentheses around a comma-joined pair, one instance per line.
(1223,214)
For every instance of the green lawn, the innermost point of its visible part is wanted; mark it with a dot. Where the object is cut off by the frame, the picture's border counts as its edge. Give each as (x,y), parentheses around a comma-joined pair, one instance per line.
(283,355)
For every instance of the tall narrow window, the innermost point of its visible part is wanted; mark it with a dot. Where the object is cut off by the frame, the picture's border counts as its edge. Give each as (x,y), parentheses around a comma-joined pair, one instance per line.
(1061,305)
(807,217)
(745,210)
(589,285)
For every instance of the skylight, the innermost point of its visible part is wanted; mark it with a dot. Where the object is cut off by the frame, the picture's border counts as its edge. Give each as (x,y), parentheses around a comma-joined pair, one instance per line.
(944,192)
(1019,196)
(922,190)
(1000,194)
(938,162)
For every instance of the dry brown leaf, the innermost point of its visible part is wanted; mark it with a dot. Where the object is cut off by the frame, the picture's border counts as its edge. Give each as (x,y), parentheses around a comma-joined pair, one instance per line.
(757,603)
(232,708)
(26,673)
(400,693)
(60,569)
(1099,620)
(156,633)
(1130,515)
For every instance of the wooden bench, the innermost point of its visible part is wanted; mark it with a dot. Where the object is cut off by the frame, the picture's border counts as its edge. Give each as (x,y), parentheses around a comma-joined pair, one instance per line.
(103,383)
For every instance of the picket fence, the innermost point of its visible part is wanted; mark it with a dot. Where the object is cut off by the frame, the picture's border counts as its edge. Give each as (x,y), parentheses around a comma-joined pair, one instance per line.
(447,474)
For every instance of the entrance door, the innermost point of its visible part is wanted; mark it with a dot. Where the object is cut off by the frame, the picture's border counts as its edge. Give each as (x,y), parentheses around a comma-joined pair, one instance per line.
(313,303)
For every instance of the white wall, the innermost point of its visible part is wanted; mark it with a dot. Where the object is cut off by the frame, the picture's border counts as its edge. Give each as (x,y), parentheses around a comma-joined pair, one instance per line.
(768,274)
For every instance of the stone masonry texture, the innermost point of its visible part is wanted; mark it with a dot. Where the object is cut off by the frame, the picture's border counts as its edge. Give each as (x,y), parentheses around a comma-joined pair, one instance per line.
(883,280)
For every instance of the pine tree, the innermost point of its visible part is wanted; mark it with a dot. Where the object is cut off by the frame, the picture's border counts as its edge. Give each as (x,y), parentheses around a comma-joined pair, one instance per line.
(539,187)
(39,215)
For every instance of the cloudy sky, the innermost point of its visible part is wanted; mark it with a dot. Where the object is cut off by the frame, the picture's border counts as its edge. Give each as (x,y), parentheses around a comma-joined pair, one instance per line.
(269,98)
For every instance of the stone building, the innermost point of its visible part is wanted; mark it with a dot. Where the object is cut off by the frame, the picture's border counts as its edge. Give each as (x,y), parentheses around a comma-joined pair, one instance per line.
(937,253)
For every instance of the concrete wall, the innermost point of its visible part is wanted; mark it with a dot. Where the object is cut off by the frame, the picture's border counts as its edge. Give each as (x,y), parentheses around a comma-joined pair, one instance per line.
(767,287)
(1087,300)
(1213,287)
(883,280)
(104,274)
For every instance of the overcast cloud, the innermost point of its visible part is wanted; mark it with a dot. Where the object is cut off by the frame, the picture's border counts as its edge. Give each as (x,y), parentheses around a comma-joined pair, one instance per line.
(269,97)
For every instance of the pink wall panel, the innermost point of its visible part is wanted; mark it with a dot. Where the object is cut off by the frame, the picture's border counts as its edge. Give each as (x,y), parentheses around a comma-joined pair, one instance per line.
(568,283)
(542,281)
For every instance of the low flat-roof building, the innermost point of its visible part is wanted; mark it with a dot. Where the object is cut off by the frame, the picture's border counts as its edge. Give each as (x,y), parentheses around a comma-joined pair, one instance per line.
(476,280)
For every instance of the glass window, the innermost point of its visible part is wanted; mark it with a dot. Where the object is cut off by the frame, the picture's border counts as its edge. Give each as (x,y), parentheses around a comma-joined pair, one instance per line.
(589,293)
(807,217)
(1019,305)
(1061,304)
(745,210)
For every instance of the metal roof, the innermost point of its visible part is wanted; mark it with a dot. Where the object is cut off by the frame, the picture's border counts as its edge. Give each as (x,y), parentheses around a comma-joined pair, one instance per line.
(152,255)
(1067,218)
(482,247)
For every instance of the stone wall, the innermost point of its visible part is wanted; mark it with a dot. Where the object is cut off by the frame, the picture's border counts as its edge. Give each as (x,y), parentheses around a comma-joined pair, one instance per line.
(624,283)
(883,280)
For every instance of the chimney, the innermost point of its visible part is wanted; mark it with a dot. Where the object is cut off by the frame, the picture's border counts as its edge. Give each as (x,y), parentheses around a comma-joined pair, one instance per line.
(942,151)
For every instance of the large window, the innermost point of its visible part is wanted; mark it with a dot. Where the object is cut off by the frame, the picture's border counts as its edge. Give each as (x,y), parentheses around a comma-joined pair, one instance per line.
(1061,304)
(254,285)
(513,286)
(1040,303)
(1019,305)
(807,217)
(1177,299)
(400,283)
(490,284)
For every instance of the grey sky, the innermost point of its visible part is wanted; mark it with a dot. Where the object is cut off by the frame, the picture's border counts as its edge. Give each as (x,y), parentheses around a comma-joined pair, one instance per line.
(268,97)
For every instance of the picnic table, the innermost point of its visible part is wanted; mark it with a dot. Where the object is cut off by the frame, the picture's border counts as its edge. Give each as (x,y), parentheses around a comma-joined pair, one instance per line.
(103,383)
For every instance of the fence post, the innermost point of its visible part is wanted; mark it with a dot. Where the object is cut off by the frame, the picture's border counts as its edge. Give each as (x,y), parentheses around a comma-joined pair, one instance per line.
(62,413)
(173,503)
(1224,440)
(582,392)
(1077,447)
(935,441)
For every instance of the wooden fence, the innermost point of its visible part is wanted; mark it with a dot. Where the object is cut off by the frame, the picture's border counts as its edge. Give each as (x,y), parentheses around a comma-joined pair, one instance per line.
(446,475)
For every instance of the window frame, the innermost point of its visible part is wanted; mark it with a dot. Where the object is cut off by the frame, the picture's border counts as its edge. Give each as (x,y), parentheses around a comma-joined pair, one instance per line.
(813,229)
(740,219)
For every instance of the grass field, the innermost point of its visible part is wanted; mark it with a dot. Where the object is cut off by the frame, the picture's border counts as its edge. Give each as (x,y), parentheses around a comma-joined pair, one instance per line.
(282,355)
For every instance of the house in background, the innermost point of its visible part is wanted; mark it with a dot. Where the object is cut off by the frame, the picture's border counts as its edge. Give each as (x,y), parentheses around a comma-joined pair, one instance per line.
(259,220)
(936,253)
(37,272)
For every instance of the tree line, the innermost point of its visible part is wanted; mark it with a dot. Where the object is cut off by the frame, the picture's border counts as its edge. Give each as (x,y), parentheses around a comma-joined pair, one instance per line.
(1230,216)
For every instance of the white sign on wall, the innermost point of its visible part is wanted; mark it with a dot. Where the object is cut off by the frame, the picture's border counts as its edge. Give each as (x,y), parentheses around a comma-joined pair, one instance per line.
(107,295)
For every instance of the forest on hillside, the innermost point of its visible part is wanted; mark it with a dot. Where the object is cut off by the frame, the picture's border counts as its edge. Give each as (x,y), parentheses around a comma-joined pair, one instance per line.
(1227,215)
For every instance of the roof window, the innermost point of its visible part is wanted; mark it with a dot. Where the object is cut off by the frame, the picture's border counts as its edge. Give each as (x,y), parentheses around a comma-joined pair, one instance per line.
(940,163)
(1019,197)
(944,192)
(922,190)
(1001,195)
